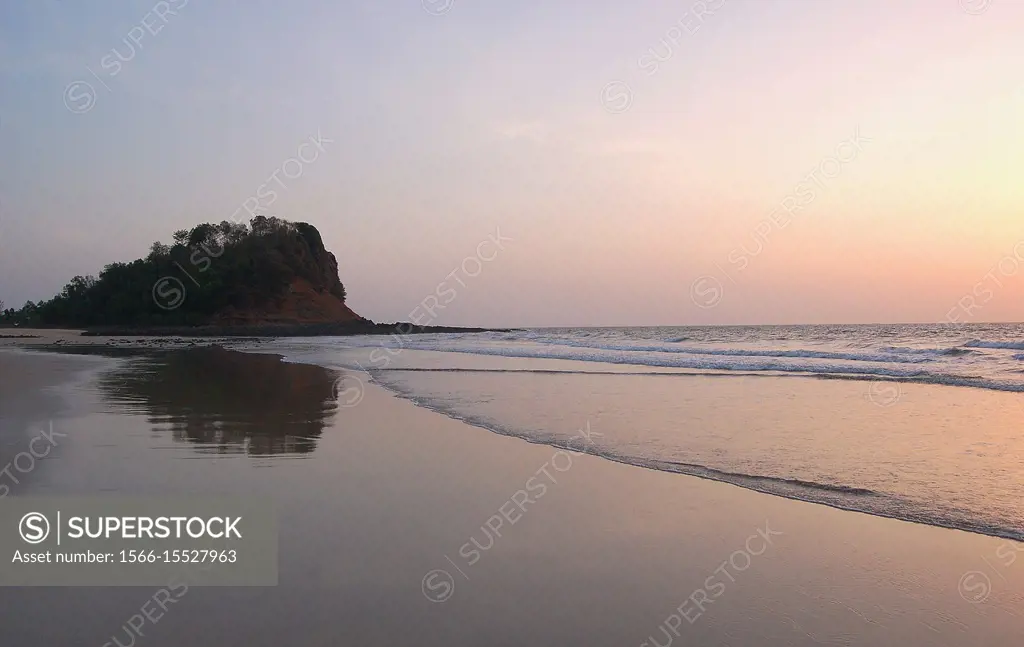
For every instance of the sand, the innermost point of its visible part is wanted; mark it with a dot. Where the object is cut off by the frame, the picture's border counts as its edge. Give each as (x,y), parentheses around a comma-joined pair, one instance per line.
(57,338)
(28,401)
(402,526)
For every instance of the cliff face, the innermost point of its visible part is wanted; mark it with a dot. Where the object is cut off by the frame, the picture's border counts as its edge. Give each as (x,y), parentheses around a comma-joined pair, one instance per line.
(302,303)
(312,292)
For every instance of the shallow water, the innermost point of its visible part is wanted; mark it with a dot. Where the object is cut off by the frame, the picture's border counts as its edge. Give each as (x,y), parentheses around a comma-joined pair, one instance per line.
(806,412)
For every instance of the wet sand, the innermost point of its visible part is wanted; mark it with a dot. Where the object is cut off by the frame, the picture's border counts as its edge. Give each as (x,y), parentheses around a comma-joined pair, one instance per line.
(402,526)
(28,401)
(61,338)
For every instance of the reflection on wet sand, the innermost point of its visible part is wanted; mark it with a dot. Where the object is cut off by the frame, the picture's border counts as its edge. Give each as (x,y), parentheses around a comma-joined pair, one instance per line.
(227,402)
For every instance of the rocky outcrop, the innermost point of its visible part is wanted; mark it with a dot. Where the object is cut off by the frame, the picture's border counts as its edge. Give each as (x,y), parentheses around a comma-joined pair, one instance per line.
(302,303)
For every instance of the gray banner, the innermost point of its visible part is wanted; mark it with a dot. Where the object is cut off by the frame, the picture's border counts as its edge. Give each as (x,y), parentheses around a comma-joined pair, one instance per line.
(104,541)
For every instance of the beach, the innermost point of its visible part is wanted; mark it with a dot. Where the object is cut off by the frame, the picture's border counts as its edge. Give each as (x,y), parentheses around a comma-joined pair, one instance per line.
(400,525)
(512,324)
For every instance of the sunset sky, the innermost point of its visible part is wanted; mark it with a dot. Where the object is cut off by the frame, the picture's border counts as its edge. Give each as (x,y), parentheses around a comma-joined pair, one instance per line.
(631,154)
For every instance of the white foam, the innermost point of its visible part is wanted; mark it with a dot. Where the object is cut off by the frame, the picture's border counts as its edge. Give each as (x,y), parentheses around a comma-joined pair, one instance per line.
(1008,345)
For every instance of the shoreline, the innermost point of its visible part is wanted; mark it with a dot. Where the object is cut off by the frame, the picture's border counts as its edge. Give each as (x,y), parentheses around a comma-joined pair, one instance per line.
(269,330)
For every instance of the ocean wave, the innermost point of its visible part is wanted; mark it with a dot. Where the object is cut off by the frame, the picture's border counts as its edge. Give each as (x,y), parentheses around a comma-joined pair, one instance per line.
(954,351)
(768,365)
(957,351)
(939,379)
(613,356)
(942,379)
(742,352)
(1007,345)
(800,483)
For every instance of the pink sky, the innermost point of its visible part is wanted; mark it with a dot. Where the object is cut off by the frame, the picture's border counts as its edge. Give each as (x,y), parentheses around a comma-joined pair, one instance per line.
(617,198)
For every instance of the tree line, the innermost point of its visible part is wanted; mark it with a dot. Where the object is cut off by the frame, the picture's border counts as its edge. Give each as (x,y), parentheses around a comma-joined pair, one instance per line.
(204,270)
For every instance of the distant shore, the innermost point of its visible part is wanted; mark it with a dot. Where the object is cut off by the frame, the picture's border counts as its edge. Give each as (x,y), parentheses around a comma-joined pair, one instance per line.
(261,330)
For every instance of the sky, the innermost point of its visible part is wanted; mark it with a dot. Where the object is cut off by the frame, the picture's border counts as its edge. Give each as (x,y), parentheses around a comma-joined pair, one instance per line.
(537,163)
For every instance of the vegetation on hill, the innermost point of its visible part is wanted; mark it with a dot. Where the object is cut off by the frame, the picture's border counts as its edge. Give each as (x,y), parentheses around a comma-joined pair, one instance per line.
(207,271)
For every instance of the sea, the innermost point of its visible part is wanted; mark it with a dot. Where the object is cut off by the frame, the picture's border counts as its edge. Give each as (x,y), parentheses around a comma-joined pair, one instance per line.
(923,423)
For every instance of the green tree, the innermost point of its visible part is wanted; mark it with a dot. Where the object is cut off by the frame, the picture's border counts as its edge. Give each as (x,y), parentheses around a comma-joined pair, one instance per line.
(229,265)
